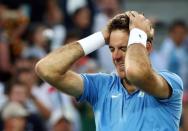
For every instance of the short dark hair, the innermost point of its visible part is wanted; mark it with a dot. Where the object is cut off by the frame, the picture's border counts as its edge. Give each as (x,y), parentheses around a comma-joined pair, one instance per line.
(121,22)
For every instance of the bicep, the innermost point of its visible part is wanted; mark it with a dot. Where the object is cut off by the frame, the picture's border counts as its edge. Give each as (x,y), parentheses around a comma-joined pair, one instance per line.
(70,83)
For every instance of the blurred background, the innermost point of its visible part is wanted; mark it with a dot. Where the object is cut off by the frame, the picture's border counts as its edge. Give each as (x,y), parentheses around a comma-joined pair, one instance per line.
(29,29)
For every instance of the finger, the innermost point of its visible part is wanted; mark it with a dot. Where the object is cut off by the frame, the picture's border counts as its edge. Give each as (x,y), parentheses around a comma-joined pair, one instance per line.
(148,22)
(151,29)
(134,13)
(131,15)
(152,32)
(128,13)
(141,16)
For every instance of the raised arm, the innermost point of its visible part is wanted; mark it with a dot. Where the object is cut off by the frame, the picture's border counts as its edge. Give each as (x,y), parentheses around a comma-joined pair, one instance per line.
(54,68)
(138,68)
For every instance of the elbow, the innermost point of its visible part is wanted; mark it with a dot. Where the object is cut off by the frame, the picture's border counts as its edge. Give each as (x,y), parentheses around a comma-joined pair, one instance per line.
(136,75)
(39,70)
(42,70)
(45,71)
(131,75)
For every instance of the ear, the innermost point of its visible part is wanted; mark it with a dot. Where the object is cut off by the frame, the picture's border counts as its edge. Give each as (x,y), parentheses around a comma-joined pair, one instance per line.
(149,47)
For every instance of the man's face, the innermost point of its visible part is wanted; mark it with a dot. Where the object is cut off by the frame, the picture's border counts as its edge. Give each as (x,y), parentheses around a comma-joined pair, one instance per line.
(178,35)
(118,47)
(15,124)
(18,94)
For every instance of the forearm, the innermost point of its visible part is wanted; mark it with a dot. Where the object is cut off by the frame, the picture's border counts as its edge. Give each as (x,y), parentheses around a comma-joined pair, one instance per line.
(137,64)
(140,73)
(54,68)
(59,61)
(138,67)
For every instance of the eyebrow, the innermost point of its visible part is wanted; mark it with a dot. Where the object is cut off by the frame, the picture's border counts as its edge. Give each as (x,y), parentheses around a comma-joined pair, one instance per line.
(113,47)
(124,46)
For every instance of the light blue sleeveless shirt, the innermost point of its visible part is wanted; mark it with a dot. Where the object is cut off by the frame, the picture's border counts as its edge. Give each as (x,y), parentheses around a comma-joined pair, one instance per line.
(116,110)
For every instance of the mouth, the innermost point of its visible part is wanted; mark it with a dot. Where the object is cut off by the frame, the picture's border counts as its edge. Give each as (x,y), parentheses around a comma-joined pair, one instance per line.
(121,67)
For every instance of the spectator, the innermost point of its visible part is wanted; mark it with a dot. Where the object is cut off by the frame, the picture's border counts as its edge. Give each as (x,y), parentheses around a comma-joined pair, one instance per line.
(14,117)
(18,92)
(54,100)
(37,46)
(82,21)
(54,19)
(34,105)
(70,6)
(173,51)
(61,121)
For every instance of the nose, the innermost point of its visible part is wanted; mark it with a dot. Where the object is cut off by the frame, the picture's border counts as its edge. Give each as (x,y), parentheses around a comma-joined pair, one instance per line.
(116,55)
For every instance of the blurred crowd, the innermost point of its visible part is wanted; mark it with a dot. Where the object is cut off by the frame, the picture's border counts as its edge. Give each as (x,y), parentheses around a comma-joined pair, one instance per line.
(29,29)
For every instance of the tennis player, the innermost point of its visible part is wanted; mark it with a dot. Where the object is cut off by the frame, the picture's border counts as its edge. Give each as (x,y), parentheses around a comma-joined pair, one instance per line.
(136,98)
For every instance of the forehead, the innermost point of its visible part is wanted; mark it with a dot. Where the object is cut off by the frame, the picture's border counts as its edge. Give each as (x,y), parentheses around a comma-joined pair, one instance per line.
(118,38)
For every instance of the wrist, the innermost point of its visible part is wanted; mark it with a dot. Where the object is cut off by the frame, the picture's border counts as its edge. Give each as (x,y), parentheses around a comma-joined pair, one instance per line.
(137,36)
(92,42)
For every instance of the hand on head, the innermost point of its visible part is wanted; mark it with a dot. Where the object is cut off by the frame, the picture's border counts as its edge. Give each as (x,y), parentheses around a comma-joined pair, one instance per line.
(136,20)
(106,29)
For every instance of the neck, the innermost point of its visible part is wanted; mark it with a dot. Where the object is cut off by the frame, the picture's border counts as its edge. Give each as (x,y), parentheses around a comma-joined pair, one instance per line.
(128,86)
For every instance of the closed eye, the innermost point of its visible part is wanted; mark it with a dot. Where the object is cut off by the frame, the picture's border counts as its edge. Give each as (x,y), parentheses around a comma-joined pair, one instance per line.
(123,48)
(111,48)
